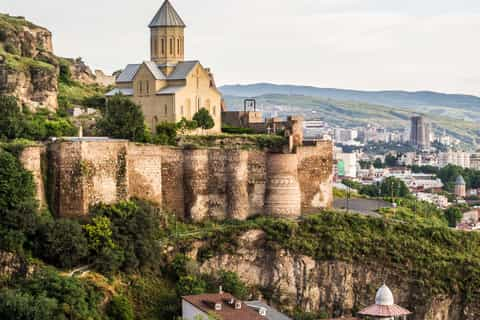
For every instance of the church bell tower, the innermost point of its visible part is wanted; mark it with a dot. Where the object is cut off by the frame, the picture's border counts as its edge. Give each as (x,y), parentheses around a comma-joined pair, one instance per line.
(167,36)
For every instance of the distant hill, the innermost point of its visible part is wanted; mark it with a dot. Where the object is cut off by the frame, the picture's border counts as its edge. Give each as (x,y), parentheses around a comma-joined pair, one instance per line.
(403,99)
(353,114)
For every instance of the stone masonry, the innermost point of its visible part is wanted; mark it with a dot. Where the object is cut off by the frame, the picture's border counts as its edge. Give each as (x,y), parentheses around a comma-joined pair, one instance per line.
(194,184)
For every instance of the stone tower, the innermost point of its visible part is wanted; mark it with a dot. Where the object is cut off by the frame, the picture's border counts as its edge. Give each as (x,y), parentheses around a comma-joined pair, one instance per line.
(167,37)
(460,187)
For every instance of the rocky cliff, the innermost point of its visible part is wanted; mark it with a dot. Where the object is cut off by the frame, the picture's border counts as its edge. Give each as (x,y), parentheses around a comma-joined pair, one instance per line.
(338,287)
(11,265)
(29,68)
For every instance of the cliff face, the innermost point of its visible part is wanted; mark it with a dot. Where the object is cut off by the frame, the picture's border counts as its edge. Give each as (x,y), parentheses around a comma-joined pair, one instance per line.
(11,264)
(340,288)
(28,68)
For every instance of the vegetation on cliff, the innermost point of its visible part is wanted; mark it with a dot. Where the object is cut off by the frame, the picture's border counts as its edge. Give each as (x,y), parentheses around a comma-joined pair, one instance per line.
(72,92)
(436,259)
(22,124)
(134,242)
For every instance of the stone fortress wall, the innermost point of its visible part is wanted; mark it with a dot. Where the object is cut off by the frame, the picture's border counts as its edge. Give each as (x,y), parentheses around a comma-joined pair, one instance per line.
(193,183)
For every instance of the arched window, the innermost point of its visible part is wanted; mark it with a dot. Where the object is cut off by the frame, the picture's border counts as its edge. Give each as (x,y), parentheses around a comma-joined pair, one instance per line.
(182,111)
(207,105)
(171,46)
(215,111)
(178,46)
(147,83)
(154,123)
(166,109)
(155,47)
(188,104)
(140,87)
(163,47)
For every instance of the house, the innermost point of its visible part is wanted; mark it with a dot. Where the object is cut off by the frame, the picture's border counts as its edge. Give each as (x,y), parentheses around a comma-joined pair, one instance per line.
(224,306)
(167,87)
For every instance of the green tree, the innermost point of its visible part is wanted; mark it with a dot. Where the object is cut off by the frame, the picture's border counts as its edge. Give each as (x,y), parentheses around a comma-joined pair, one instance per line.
(231,283)
(166,133)
(17,305)
(453,216)
(191,285)
(11,124)
(62,243)
(99,234)
(135,230)
(123,119)
(378,164)
(184,125)
(120,308)
(395,187)
(204,119)
(18,206)
(390,160)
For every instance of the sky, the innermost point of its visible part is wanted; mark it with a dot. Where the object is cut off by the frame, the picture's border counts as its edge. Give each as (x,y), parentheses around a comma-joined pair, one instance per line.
(352,44)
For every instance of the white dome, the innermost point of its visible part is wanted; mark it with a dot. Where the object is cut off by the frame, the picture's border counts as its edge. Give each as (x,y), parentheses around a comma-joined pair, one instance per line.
(384,297)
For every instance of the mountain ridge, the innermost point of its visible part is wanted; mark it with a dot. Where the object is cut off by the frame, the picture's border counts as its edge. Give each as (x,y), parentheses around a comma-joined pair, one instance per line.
(393,98)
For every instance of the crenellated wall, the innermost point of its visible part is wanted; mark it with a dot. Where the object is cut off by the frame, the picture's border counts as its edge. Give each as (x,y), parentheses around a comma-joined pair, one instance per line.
(193,183)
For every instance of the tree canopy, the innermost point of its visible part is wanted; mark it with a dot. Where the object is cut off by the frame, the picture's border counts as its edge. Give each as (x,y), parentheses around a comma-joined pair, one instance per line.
(204,119)
(123,119)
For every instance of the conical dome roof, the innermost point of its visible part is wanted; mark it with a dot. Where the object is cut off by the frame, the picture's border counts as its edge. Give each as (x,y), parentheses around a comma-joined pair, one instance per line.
(167,17)
(460,181)
(384,297)
(384,306)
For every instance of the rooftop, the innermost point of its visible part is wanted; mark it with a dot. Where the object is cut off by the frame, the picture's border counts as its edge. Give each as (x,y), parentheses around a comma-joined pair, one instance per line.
(272,313)
(167,16)
(206,303)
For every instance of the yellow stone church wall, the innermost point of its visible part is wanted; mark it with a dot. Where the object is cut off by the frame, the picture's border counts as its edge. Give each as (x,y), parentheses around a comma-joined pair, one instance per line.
(188,99)
(173,44)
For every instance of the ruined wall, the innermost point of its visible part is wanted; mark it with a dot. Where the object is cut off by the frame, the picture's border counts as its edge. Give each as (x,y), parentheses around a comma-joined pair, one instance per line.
(192,183)
(315,175)
(84,173)
(33,160)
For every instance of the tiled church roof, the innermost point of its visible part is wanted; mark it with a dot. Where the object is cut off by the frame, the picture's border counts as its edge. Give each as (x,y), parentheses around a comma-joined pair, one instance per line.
(167,17)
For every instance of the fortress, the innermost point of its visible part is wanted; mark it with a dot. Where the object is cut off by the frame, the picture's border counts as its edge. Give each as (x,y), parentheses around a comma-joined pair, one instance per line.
(228,181)
(76,173)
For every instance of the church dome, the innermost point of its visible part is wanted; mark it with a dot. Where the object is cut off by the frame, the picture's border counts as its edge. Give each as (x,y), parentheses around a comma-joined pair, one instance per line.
(384,297)
(460,181)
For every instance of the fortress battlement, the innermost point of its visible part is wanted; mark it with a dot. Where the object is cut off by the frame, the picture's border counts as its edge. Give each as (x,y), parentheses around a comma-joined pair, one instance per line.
(193,183)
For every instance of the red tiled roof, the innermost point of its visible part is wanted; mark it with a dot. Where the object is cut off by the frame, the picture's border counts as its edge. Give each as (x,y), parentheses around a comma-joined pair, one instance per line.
(384,311)
(206,303)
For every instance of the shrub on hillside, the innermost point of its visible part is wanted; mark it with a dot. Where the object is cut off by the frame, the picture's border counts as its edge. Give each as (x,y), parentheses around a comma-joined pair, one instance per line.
(120,308)
(46,295)
(135,233)
(15,124)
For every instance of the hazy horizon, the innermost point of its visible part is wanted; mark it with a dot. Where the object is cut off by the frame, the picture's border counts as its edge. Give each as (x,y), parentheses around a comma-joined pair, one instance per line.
(427,45)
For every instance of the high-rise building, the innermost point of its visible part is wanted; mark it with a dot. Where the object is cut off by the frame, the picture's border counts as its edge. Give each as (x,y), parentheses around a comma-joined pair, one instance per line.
(456,158)
(420,132)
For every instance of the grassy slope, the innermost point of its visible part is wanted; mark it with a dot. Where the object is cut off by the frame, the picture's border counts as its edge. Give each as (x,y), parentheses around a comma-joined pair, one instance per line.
(357,114)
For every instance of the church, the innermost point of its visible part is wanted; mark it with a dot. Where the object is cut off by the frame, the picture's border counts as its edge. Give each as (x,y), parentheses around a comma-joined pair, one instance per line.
(167,87)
